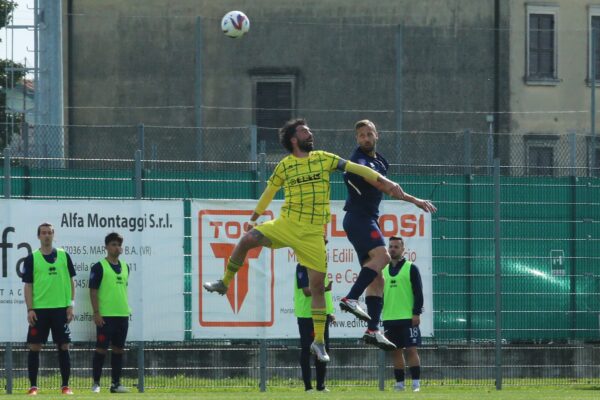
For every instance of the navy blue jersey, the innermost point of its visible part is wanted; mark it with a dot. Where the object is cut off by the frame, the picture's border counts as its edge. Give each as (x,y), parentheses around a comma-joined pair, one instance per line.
(363,197)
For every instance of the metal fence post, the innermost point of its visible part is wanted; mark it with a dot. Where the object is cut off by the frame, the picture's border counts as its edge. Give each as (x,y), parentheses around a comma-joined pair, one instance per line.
(573,153)
(140,366)
(381,369)
(490,143)
(498,277)
(468,152)
(262,356)
(138,174)
(8,361)
(253,145)
(141,137)
(7,187)
(399,90)
(8,366)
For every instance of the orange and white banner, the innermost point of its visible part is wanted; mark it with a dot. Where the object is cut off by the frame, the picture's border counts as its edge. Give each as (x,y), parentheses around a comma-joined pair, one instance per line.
(259,303)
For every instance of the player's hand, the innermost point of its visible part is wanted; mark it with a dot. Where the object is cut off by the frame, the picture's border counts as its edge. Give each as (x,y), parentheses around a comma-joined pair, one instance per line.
(248,226)
(98,320)
(70,314)
(416,320)
(331,318)
(328,287)
(31,317)
(425,205)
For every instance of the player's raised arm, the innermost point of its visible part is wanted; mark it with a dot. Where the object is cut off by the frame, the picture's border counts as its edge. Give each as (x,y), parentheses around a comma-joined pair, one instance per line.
(384,184)
(264,201)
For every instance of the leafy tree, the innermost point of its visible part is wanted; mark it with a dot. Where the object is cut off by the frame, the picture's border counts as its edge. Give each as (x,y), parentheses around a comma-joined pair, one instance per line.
(8,78)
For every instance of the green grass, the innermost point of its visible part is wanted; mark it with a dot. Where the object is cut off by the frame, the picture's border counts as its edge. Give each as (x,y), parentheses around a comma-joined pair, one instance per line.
(427,392)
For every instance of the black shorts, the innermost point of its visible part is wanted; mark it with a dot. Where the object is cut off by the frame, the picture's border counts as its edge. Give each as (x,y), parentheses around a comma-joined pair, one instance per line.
(307,332)
(50,319)
(403,336)
(113,332)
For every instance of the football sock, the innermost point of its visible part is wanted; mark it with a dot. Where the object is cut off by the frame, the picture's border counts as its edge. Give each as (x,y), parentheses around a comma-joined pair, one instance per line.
(319,317)
(374,306)
(232,269)
(116,364)
(64,362)
(365,277)
(415,372)
(399,375)
(97,363)
(33,365)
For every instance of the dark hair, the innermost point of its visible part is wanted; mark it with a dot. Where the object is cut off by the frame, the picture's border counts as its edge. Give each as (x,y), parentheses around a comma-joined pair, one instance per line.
(397,238)
(45,224)
(288,130)
(113,237)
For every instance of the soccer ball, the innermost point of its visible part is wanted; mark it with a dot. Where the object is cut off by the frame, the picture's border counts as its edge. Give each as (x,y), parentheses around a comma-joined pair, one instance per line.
(234,24)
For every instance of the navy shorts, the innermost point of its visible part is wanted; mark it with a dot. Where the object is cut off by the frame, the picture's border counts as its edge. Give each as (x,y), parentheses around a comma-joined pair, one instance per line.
(50,319)
(113,332)
(403,336)
(364,234)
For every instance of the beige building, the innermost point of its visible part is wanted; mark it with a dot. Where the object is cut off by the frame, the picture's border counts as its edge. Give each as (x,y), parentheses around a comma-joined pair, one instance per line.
(550,91)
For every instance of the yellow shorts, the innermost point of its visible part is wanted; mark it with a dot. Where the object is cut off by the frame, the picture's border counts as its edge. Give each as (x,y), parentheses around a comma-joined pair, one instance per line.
(305,239)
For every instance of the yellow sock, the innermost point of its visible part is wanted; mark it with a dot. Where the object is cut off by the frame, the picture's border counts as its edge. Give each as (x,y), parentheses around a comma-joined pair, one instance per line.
(232,269)
(319,317)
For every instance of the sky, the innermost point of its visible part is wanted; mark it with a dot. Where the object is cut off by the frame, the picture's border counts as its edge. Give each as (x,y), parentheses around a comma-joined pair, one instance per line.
(15,47)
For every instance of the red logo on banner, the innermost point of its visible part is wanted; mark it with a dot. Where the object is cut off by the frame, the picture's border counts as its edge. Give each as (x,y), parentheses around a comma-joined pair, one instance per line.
(225,225)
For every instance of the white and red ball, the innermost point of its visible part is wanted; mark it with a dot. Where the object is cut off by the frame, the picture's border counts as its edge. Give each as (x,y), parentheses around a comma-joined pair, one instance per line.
(235,24)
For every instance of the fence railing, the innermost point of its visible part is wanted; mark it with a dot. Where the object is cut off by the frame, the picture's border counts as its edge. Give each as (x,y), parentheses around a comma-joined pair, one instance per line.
(516,276)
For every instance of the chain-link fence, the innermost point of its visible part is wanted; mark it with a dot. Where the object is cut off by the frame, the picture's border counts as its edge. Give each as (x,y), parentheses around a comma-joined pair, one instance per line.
(238,149)
(515,256)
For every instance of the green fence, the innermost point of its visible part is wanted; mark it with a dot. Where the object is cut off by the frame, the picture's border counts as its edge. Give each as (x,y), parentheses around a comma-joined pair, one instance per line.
(550,239)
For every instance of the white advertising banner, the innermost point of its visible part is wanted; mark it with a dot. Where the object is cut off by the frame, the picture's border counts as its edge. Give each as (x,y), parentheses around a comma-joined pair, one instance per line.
(152,247)
(259,303)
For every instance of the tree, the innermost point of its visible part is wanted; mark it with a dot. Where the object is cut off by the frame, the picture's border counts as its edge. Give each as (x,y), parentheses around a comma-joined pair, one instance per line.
(10,74)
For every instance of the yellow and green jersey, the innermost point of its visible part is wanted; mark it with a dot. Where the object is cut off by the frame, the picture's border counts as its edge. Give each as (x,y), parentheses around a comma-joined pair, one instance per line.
(306,186)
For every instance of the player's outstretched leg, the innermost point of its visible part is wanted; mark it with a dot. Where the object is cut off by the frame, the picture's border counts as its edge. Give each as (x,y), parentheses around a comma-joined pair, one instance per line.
(253,238)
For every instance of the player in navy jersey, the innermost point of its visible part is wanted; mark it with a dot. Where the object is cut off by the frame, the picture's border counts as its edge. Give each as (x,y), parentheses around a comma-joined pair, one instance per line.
(362,228)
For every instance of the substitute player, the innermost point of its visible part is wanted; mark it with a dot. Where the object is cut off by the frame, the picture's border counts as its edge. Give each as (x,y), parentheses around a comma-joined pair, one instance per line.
(108,293)
(49,294)
(362,228)
(304,176)
(402,308)
(302,310)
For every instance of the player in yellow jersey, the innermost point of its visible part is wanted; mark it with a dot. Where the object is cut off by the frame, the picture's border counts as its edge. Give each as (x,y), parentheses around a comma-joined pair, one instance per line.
(304,176)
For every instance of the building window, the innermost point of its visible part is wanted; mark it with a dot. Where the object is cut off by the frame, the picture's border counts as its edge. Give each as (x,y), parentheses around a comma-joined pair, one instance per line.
(540,160)
(273,106)
(594,43)
(541,44)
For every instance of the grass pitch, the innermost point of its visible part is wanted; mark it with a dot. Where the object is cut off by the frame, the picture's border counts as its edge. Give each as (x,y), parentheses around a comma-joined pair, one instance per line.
(435,393)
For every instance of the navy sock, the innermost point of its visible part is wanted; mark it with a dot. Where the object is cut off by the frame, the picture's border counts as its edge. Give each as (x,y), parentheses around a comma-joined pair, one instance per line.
(116,364)
(64,362)
(374,307)
(97,363)
(33,366)
(415,372)
(365,277)
(305,367)
(399,375)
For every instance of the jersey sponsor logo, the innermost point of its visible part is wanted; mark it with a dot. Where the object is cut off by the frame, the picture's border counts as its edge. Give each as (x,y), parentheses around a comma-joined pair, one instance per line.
(253,285)
(305,179)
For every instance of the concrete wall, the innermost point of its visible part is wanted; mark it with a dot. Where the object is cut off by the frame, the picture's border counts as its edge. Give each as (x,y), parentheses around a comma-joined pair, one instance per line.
(342,53)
